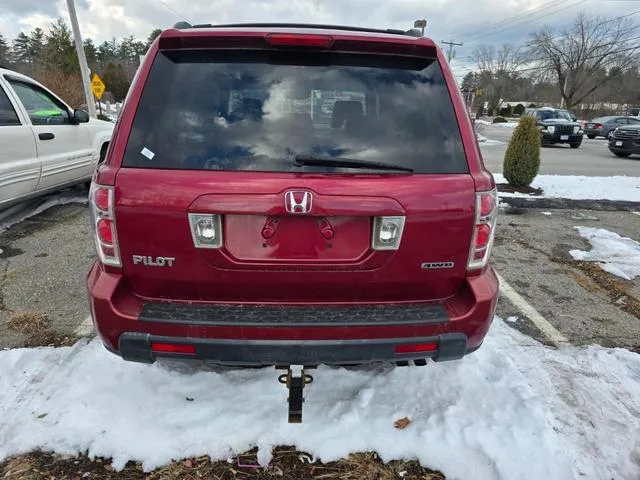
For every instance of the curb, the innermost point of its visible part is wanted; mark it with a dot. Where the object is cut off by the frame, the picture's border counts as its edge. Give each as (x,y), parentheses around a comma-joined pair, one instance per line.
(570,204)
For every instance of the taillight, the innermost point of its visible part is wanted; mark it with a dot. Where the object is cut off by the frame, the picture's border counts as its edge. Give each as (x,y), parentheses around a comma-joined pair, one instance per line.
(387,233)
(101,205)
(484,230)
(206,230)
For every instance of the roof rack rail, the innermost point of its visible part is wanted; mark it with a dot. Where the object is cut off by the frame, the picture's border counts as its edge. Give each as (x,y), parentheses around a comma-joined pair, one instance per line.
(412,32)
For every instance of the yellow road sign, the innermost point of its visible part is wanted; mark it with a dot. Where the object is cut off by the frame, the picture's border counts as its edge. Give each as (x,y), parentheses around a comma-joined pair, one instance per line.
(98,86)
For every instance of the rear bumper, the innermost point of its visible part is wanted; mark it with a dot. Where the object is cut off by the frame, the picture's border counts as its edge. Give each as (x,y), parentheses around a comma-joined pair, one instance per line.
(137,347)
(259,335)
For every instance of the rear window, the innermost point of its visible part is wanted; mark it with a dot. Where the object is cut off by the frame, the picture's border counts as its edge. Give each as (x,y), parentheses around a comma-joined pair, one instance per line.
(257,111)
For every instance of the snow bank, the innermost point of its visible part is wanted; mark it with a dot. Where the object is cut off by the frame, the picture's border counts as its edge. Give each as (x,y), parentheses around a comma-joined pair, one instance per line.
(515,409)
(617,255)
(582,188)
(486,142)
(501,125)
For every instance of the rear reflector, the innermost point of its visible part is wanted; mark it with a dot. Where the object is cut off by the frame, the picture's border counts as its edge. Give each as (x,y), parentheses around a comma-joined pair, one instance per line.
(416,348)
(173,348)
(299,40)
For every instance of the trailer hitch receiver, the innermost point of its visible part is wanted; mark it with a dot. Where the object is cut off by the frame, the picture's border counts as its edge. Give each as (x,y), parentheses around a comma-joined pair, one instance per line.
(295,379)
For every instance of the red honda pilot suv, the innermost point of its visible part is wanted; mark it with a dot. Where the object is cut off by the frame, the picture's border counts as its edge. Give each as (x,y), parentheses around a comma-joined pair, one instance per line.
(293,195)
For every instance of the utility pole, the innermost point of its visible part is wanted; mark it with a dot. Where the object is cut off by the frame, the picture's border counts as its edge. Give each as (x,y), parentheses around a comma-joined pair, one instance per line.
(450,52)
(82,60)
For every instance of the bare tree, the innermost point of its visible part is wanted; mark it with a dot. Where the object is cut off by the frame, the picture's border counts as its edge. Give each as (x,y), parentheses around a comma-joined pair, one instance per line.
(498,69)
(577,55)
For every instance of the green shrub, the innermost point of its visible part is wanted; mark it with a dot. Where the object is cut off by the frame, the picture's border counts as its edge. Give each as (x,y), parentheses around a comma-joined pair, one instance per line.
(518,110)
(506,111)
(522,159)
(499,120)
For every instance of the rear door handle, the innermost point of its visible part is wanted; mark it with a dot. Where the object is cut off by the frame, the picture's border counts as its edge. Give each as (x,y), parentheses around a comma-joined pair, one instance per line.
(46,136)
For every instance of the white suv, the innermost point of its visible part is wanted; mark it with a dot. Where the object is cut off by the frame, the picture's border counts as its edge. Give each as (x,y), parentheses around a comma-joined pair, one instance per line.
(44,144)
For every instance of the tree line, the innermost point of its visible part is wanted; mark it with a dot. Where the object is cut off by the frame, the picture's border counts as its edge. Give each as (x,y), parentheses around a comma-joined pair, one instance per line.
(49,55)
(593,61)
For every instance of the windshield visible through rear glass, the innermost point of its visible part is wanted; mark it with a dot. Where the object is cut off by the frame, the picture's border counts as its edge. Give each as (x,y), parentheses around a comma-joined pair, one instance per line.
(554,115)
(257,111)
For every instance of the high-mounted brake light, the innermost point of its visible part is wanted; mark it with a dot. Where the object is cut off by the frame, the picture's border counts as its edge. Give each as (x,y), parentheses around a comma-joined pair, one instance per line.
(484,230)
(299,40)
(101,207)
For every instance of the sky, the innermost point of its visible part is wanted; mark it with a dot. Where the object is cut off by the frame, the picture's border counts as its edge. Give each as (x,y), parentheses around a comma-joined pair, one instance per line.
(471,22)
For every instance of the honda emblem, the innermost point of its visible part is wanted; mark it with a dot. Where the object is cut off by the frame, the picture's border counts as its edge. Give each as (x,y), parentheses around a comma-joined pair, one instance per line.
(298,202)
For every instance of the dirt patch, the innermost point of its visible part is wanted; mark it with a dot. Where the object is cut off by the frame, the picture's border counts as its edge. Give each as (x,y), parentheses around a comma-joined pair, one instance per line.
(287,464)
(506,188)
(36,328)
(619,291)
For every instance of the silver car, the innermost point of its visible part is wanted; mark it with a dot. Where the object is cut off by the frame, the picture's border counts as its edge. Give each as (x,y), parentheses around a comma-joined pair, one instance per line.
(603,126)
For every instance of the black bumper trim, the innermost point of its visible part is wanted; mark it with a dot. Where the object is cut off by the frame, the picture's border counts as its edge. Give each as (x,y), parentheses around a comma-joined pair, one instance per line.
(293,316)
(136,347)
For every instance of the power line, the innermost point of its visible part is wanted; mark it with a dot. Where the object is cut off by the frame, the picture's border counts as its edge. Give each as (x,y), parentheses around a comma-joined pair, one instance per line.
(489,34)
(174,11)
(514,18)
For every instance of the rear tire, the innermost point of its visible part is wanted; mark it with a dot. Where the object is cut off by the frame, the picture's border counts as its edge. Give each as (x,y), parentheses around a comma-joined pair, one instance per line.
(574,145)
(621,154)
(591,137)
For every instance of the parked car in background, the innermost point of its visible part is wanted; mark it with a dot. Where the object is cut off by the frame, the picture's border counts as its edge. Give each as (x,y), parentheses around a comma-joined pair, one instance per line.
(321,200)
(625,141)
(603,126)
(44,144)
(556,126)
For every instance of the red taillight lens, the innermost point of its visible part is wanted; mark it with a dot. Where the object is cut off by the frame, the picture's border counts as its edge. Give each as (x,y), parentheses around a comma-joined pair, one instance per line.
(483,235)
(173,348)
(105,234)
(299,40)
(598,125)
(487,204)
(101,198)
(416,348)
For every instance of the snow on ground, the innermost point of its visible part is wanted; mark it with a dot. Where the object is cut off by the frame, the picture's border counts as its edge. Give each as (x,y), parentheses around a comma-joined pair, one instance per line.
(515,409)
(18,213)
(617,255)
(487,142)
(582,188)
(501,125)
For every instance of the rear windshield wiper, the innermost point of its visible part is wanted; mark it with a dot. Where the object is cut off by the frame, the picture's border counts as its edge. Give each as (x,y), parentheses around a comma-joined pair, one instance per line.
(342,162)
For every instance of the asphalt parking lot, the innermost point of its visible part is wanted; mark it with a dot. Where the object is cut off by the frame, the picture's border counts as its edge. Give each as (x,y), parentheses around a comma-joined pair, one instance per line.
(593,158)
